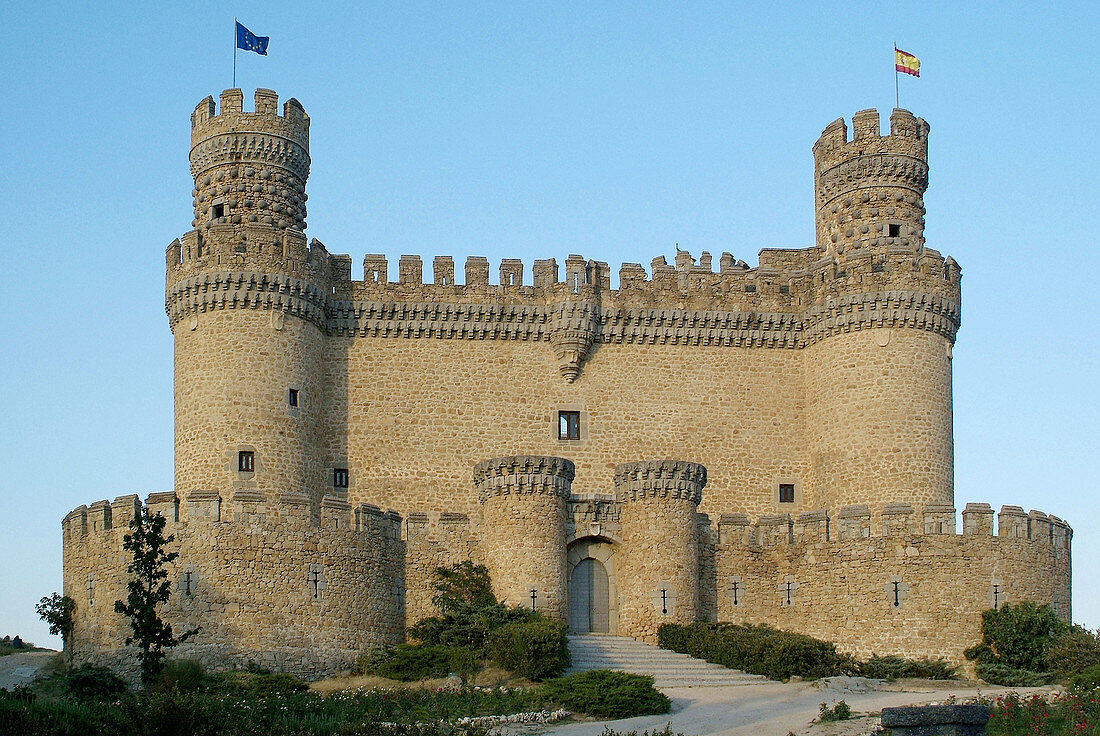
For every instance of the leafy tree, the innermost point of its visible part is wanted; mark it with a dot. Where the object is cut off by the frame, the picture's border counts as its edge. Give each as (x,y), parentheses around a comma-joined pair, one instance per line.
(57,611)
(148,588)
(462,587)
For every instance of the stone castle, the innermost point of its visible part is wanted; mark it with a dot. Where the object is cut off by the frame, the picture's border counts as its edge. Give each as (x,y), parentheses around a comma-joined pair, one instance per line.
(768,444)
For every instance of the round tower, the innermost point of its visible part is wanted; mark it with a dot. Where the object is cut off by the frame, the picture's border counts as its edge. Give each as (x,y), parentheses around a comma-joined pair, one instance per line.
(870,190)
(246,301)
(659,575)
(524,502)
(881,324)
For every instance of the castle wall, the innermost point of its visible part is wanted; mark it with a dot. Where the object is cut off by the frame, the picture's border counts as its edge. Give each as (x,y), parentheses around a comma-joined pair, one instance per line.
(840,585)
(285,595)
(878,419)
(432,542)
(421,412)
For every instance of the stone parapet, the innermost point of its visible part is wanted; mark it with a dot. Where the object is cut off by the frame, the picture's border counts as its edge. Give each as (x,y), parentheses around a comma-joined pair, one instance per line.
(522,475)
(678,479)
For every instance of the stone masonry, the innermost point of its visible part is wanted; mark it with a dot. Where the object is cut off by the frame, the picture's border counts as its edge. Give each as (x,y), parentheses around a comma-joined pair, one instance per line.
(338,439)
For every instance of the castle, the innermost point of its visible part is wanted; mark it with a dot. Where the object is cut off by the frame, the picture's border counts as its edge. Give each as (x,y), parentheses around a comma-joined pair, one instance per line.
(768,444)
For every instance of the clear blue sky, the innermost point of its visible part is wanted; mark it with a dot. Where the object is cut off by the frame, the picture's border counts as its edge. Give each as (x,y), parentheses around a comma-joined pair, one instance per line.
(535,130)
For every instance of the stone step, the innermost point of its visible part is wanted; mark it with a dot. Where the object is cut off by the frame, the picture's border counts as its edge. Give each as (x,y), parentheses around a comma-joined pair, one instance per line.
(668,669)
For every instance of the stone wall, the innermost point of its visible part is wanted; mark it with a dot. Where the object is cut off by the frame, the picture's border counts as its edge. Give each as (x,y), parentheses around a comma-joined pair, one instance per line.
(282,594)
(907,584)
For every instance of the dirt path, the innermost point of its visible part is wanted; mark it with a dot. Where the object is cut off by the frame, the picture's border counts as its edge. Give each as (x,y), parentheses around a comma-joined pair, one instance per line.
(21,669)
(777,709)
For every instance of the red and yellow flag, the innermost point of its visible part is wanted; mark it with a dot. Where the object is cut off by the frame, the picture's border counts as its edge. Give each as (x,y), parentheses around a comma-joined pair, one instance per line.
(904,62)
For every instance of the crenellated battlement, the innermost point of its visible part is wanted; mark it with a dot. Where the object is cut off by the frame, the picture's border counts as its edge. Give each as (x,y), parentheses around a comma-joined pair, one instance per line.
(908,137)
(893,520)
(243,507)
(210,119)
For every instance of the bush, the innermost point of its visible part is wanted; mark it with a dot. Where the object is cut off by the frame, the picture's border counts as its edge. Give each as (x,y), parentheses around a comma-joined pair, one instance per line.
(182,676)
(893,668)
(762,650)
(535,649)
(371,660)
(427,661)
(469,628)
(1018,636)
(607,694)
(999,674)
(1087,679)
(1076,650)
(89,682)
(839,712)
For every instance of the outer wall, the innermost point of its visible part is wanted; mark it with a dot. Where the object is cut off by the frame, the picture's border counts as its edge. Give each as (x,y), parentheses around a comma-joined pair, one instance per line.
(252,596)
(878,418)
(232,376)
(844,592)
(414,415)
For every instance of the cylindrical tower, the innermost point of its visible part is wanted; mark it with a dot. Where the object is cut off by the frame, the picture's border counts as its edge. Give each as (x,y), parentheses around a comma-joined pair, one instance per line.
(524,501)
(878,366)
(246,298)
(870,190)
(659,572)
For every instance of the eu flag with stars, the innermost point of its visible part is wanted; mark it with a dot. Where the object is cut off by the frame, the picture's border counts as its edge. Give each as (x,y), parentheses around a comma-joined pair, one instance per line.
(249,41)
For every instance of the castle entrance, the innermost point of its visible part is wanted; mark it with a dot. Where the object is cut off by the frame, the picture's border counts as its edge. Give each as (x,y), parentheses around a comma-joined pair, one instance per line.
(589,600)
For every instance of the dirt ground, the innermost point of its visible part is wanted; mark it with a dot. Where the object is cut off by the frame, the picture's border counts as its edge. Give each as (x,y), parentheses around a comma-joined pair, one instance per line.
(21,669)
(779,709)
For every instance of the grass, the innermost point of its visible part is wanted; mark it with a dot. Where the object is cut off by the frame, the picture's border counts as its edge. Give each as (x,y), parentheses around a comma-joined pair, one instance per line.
(238,703)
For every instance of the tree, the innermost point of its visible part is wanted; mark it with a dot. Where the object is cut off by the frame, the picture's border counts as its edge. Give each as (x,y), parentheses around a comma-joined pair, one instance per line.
(148,588)
(57,611)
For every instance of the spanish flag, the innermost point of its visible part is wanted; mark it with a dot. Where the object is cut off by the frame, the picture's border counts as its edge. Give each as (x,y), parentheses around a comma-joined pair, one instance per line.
(904,62)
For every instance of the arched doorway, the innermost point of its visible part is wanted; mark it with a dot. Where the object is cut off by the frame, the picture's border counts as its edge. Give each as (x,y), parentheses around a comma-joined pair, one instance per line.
(589,598)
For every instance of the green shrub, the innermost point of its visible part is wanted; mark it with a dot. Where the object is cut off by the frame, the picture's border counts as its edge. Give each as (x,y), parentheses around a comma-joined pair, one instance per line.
(89,682)
(1000,674)
(535,649)
(607,694)
(1018,636)
(278,683)
(469,628)
(762,650)
(1076,650)
(1086,679)
(371,660)
(182,675)
(839,712)
(427,661)
(893,668)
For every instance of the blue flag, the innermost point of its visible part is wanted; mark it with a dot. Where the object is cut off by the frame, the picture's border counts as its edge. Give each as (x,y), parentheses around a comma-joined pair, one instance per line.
(249,41)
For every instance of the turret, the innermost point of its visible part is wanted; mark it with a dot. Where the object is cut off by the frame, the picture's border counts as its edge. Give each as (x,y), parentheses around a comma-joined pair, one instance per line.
(870,189)
(246,298)
(250,166)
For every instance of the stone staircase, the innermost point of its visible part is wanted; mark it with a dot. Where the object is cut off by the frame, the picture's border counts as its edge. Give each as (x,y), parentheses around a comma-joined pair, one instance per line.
(668,668)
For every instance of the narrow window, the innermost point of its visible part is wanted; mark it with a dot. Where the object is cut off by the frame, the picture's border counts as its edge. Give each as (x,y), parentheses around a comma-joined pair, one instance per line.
(340,477)
(246,461)
(895,230)
(218,211)
(292,397)
(569,425)
(786,493)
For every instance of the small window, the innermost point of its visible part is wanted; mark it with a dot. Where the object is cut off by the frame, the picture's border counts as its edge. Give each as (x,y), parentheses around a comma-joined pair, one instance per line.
(569,425)
(292,397)
(340,477)
(895,230)
(786,493)
(218,211)
(246,461)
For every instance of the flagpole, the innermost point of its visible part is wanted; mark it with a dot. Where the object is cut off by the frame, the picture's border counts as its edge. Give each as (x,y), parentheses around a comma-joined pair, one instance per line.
(896,102)
(235,53)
